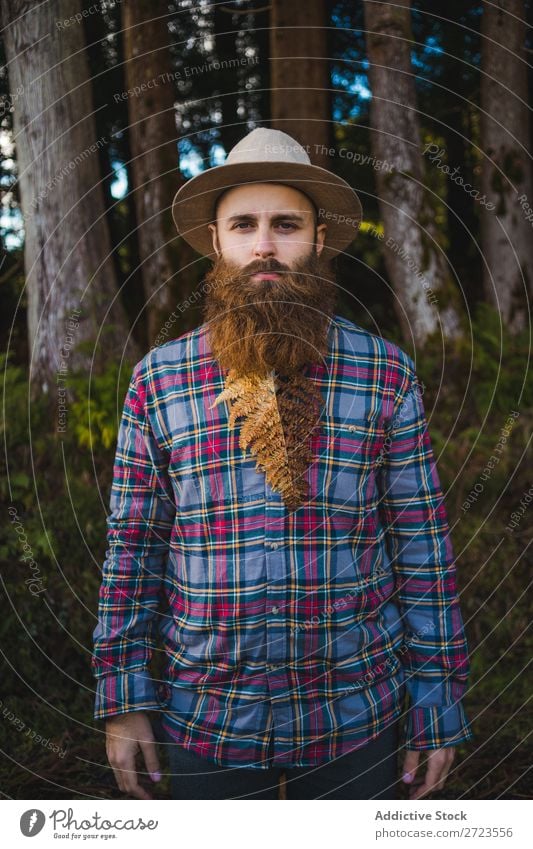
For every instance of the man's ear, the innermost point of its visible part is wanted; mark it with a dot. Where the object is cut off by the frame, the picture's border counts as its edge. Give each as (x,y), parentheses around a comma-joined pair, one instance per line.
(320,237)
(214,236)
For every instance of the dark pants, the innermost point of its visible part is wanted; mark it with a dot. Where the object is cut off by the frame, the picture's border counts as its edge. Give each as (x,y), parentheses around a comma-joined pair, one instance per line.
(369,772)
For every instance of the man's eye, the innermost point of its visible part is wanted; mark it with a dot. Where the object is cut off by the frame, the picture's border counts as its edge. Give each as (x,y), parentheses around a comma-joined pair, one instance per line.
(286,226)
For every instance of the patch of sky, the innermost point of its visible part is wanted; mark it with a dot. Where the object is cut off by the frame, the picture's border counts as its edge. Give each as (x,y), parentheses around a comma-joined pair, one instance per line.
(351,84)
(119,186)
(192,162)
(422,60)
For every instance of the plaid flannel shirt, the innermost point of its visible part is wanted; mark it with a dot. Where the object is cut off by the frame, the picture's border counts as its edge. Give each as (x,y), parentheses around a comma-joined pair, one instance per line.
(288,638)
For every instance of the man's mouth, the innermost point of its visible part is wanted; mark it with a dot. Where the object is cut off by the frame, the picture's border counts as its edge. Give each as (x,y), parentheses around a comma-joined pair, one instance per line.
(266,275)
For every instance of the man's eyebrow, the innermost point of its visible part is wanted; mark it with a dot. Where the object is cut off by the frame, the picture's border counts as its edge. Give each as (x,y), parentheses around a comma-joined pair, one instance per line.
(250,216)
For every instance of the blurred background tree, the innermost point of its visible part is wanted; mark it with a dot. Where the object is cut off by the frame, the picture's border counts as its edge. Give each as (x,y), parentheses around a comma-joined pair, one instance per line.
(104,111)
(506,166)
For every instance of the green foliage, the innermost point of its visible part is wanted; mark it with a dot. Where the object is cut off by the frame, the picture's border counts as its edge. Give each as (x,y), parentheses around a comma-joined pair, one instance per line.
(55,493)
(95,411)
(479,402)
(481,418)
(482,378)
(56,486)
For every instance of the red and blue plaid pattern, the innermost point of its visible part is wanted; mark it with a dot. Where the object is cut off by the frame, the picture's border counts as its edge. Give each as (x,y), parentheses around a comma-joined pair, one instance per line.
(288,638)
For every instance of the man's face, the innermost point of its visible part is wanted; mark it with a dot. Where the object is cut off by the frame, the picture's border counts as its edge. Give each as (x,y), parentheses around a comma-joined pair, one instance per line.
(270,295)
(260,221)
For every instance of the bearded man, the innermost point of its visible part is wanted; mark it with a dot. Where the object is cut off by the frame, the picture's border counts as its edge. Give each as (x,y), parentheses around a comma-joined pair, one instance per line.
(278,530)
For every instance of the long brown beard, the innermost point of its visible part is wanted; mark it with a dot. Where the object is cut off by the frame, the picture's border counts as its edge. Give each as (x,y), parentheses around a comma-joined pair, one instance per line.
(260,326)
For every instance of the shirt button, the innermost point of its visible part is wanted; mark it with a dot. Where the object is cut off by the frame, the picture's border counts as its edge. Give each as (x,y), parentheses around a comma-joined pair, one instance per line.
(273,544)
(275,610)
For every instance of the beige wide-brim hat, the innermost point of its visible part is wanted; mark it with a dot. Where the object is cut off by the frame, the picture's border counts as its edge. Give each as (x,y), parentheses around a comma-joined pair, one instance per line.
(265,156)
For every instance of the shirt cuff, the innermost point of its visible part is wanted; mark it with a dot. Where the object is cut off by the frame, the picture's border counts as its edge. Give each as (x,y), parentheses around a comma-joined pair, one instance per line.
(436,727)
(124,692)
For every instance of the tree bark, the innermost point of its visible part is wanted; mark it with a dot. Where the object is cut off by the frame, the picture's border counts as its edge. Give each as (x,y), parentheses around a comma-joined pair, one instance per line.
(506,234)
(70,279)
(300,75)
(427,298)
(167,261)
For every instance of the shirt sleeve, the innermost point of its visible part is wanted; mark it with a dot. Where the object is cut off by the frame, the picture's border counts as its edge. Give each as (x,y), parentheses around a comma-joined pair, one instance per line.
(139,528)
(434,653)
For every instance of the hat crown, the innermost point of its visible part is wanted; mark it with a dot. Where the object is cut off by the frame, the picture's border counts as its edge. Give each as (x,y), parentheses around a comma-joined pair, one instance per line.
(264,145)
(267,156)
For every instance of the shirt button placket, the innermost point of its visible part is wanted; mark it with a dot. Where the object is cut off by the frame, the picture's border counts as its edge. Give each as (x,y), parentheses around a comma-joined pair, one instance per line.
(276,639)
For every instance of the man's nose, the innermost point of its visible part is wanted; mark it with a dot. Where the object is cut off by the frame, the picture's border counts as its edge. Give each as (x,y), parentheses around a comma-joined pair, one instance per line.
(264,245)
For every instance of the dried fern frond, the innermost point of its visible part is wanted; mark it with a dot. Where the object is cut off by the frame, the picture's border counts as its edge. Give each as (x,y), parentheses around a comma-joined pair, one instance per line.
(279,415)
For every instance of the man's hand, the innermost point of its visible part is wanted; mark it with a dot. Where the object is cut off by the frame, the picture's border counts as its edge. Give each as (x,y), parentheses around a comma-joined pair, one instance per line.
(439,762)
(126,734)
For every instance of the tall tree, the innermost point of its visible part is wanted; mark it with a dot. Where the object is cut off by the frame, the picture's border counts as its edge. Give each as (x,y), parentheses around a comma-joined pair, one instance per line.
(447,49)
(300,76)
(105,55)
(166,259)
(67,250)
(506,235)
(416,265)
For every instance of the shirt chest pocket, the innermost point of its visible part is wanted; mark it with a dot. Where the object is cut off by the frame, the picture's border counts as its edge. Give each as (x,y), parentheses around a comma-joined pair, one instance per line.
(351,452)
(227,485)
(210,473)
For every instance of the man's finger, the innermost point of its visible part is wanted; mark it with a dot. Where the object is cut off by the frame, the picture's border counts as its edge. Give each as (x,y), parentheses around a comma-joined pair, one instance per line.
(120,773)
(121,765)
(410,766)
(126,777)
(118,779)
(447,767)
(149,750)
(137,791)
(132,786)
(432,777)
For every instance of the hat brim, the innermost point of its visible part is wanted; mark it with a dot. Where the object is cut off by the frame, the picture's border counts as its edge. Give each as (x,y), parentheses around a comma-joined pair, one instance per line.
(338,206)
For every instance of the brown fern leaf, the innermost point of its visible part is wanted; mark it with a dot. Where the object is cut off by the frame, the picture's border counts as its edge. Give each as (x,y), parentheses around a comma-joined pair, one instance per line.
(279,414)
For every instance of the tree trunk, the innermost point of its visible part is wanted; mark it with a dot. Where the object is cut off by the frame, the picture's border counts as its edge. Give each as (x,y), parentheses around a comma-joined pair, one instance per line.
(300,75)
(167,261)
(427,297)
(70,279)
(506,234)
